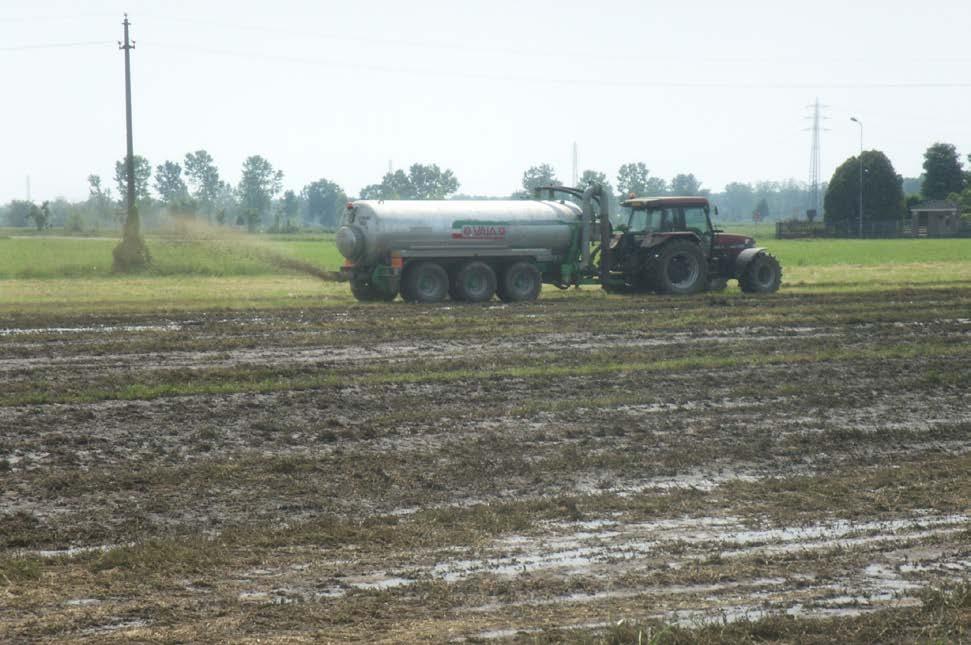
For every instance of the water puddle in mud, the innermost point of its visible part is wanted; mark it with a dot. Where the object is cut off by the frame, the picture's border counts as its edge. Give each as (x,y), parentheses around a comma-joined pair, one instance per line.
(82,602)
(102,329)
(607,543)
(73,550)
(377,582)
(114,627)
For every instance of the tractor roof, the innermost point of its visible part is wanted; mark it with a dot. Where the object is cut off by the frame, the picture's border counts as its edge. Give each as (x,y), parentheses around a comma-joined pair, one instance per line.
(664,202)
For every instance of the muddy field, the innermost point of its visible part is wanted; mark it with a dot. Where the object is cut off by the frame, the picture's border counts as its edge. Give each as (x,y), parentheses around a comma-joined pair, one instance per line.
(790,468)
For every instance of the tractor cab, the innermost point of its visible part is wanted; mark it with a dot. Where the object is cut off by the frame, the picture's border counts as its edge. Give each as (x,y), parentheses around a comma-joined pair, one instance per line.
(649,221)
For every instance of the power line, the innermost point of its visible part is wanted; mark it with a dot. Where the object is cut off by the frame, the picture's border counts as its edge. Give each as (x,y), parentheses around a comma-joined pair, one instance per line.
(389,69)
(91,43)
(466,46)
(83,16)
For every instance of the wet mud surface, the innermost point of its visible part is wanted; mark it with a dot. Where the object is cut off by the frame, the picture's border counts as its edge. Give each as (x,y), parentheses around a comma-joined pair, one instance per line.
(395,473)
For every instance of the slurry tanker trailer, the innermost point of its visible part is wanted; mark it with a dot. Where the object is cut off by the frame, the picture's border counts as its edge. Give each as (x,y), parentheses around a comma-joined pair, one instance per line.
(472,250)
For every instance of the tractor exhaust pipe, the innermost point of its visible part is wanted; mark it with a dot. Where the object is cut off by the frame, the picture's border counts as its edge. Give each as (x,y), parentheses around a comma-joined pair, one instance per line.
(605,233)
(585,222)
(602,195)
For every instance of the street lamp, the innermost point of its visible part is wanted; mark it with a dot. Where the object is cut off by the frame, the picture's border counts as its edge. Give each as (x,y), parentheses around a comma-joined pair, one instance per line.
(860,123)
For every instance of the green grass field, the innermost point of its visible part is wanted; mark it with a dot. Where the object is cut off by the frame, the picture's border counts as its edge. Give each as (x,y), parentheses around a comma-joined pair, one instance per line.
(56,273)
(78,257)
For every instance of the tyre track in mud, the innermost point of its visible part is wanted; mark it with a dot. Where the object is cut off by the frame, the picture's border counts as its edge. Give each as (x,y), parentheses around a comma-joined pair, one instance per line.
(437,350)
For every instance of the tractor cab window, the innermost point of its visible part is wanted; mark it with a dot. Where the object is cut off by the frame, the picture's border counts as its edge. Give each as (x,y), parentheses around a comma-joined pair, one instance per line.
(696,220)
(651,220)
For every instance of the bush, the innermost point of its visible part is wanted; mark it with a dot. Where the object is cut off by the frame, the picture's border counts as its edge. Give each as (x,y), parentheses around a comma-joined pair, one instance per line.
(74,223)
(131,254)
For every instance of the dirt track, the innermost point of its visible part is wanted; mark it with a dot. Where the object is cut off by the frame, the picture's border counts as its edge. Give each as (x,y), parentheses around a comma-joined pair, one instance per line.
(447,472)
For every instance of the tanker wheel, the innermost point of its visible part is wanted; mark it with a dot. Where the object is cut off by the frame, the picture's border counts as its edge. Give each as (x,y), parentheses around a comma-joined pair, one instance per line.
(521,281)
(364,291)
(680,268)
(475,282)
(425,282)
(762,275)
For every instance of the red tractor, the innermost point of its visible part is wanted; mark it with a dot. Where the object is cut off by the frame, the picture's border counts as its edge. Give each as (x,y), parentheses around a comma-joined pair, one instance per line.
(668,245)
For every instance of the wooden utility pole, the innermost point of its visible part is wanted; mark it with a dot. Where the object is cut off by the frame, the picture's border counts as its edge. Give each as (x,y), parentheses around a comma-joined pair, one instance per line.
(131,254)
(127,46)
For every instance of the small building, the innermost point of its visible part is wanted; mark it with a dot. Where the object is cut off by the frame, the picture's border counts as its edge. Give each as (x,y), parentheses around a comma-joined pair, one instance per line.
(935,218)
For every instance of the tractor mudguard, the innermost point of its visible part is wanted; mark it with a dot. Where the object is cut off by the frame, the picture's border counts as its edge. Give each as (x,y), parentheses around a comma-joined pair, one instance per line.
(745,257)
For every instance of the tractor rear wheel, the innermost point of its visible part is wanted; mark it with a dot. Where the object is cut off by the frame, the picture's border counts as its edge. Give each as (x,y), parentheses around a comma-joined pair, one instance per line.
(520,281)
(425,282)
(474,282)
(680,268)
(762,275)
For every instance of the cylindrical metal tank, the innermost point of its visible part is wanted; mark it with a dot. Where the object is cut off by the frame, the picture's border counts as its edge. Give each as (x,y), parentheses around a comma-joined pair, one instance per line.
(371,229)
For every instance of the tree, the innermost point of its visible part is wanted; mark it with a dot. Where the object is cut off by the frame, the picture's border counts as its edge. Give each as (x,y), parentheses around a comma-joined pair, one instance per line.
(962,200)
(636,178)
(143,173)
(290,204)
(655,186)
(394,185)
(99,199)
(632,179)
(686,185)
(535,176)
(883,195)
(19,212)
(591,177)
(226,205)
(324,200)
(761,211)
(943,173)
(421,182)
(431,182)
(169,183)
(258,185)
(912,185)
(204,178)
(41,216)
(738,200)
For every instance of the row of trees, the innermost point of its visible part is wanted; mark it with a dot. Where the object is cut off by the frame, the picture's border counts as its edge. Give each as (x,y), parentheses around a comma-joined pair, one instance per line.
(195,188)
(631,178)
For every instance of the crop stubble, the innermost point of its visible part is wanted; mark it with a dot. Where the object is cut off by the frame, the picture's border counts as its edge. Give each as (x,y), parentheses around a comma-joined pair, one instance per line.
(469,472)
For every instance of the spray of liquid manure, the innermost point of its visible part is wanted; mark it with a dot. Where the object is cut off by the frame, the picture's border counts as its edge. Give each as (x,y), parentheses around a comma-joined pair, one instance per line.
(235,243)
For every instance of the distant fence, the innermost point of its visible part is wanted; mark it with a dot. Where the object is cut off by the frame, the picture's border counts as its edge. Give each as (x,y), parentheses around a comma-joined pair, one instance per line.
(873,229)
(795,229)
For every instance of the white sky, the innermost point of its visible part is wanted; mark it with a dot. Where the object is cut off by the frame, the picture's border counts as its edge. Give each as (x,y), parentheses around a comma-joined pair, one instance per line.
(486,88)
